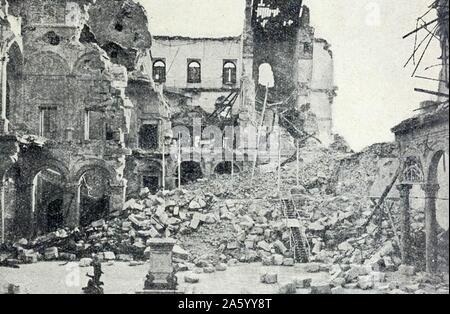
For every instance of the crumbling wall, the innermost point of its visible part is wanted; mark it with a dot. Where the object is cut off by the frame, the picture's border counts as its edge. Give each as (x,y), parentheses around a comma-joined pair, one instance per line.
(121,28)
(275,26)
(71,71)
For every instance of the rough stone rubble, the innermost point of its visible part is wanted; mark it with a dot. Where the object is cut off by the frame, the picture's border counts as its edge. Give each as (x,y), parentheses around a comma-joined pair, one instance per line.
(219,223)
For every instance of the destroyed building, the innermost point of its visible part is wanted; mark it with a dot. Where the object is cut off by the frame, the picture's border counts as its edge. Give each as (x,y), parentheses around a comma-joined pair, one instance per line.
(72,90)
(89,100)
(216,79)
(91,157)
(424,149)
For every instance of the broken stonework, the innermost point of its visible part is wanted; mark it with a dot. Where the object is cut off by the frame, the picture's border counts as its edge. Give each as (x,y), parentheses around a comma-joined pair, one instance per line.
(191,279)
(320,288)
(269,278)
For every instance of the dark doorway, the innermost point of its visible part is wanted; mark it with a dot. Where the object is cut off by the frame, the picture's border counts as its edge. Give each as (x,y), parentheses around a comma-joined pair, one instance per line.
(152,183)
(190,172)
(93,209)
(47,204)
(225,168)
(94,196)
(148,136)
(55,217)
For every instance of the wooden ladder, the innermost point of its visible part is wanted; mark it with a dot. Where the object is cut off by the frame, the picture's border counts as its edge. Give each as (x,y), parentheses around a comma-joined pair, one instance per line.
(299,242)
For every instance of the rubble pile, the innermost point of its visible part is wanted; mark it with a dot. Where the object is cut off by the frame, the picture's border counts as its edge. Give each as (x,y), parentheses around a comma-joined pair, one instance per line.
(124,236)
(226,220)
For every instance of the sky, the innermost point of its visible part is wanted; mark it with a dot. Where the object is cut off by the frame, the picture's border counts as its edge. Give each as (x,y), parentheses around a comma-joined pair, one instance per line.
(375,91)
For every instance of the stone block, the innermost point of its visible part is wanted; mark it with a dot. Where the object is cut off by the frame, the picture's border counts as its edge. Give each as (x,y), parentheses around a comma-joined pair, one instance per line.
(194,224)
(191,279)
(287,288)
(288,262)
(51,253)
(209,270)
(221,267)
(303,283)
(85,262)
(321,288)
(109,256)
(278,259)
(365,282)
(269,278)
(407,270)
(179,252)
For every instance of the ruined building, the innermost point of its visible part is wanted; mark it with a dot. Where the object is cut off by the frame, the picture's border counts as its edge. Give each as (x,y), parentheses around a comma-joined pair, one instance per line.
(206,70)
(89,101)
(424,148)
(279,33)
(208,77)
(75,97)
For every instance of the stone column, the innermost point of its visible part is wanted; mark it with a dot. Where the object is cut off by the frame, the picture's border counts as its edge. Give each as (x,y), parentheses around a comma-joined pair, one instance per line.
(431,226)
(71,205)
(405,222)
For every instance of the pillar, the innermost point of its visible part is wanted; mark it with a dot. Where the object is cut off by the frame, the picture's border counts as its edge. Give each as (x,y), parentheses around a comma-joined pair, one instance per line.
(431,226)
(405,222)
(71,205)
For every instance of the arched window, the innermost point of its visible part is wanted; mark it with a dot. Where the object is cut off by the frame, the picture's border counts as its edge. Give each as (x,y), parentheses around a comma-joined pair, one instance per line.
(159,71)
(194,72)
(229,73)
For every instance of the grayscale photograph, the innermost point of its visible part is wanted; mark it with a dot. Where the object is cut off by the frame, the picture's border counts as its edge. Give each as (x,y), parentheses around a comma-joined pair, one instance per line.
(224,147)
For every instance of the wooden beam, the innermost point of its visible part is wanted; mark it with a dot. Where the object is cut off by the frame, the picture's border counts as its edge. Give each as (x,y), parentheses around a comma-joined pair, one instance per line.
(420,90)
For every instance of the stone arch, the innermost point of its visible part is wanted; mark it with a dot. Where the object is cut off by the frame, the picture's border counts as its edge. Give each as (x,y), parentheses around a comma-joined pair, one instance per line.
(47,63)
(52,164)
(224,167)
(78,171)
(433,164)
(94,194)
(48,189)
(190,171)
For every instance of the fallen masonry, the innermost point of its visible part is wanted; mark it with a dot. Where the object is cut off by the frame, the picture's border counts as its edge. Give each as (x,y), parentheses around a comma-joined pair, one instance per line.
(245,228)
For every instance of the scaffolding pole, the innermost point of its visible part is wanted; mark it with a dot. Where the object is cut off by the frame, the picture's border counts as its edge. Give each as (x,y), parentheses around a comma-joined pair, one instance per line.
(298,161)
(279,158)
(232,158)
(179,162)
(163,157)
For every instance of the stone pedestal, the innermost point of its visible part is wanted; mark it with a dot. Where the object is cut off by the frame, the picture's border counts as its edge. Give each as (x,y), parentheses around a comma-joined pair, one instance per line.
(161,276)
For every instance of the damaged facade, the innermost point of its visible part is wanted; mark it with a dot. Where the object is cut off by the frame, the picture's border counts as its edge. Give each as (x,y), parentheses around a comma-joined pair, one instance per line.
(69,109)
(280,34)
(424,148)
(89,100)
